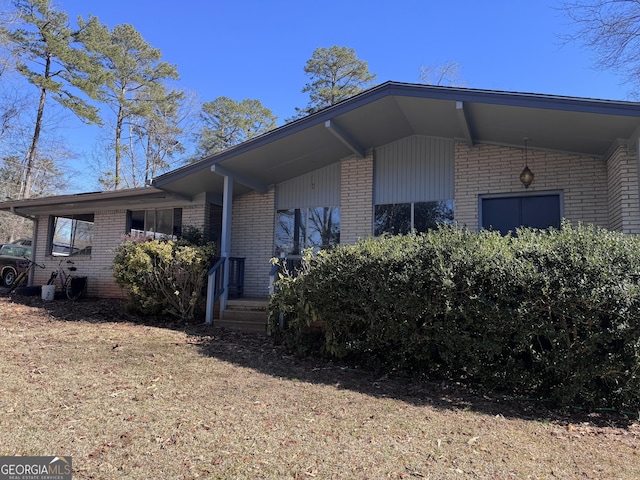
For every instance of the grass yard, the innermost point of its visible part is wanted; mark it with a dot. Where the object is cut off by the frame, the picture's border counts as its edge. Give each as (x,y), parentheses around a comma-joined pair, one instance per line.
(132,401)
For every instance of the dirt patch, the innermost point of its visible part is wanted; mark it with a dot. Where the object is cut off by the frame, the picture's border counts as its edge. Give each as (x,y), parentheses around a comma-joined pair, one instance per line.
(129,399)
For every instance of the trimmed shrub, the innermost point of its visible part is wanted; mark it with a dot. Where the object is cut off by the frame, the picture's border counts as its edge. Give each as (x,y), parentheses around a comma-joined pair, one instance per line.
(547,314)
(163,276)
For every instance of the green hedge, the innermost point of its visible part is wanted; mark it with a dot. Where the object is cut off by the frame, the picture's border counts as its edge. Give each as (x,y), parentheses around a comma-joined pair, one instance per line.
(545,314)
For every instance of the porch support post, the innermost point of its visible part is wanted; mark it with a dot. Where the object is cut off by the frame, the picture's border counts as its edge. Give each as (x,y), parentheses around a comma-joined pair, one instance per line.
(225,240)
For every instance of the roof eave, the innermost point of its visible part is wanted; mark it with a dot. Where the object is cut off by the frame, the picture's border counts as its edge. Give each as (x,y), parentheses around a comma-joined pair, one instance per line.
(26,206)
(457,94)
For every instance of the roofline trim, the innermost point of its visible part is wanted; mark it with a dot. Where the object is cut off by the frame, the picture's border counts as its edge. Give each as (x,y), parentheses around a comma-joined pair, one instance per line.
(82,197)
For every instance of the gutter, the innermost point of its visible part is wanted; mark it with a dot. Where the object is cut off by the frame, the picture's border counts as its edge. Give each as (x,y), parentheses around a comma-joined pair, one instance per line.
(23,215)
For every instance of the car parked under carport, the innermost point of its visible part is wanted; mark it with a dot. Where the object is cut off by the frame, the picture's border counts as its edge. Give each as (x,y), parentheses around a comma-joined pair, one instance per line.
(13,260)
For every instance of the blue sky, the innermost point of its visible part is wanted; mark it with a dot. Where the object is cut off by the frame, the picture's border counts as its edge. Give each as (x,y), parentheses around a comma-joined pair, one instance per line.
(257,49)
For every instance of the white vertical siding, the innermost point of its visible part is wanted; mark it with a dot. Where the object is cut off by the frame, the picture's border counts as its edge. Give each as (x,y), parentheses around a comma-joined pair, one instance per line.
(414,169)
(320,188)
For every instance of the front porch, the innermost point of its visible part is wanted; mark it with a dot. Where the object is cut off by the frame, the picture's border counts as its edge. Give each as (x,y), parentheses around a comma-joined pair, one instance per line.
(227,305)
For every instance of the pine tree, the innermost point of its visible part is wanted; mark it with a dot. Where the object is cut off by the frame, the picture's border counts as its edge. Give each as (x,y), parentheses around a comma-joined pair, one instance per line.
(49,56)
(130,66)
(336,74)
(227,123)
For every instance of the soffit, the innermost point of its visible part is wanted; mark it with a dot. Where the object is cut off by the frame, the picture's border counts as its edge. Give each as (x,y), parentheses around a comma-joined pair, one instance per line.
(394,111)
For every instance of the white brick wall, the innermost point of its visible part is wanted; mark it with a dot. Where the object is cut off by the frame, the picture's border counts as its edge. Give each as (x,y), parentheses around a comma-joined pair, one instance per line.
(196,215)
(622,176)
(253,218)
(356,198)
(252,237)
(108,231)
(109,228)
(491,169)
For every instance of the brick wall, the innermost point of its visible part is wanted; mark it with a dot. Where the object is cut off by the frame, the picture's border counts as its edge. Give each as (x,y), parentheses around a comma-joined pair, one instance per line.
(356,198)
(41,231)
(108,229)
(252,234)
(196,215)
(622,176)
(491,169)
(253,217)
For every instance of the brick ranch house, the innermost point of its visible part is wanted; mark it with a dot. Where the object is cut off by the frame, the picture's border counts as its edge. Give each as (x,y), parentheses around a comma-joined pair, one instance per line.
(393,158)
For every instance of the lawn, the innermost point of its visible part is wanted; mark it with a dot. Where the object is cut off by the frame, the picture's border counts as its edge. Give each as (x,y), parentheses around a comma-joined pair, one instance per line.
(128,400)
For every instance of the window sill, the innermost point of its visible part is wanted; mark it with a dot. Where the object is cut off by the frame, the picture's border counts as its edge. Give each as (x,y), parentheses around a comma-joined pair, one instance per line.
(73,258)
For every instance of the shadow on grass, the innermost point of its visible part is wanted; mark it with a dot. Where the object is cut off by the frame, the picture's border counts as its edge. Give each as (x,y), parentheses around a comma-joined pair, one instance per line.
(258,352)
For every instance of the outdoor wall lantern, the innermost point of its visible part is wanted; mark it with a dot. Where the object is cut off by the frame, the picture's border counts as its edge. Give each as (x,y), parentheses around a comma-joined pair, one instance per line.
(526,177)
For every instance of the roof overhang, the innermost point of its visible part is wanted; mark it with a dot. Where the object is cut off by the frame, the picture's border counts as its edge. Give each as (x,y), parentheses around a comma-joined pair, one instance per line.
(393,111)
(78,204)
(374,118)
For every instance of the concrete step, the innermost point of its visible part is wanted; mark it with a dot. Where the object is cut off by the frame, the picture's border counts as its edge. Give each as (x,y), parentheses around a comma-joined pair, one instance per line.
(243,320)
(247,304)
(245,314)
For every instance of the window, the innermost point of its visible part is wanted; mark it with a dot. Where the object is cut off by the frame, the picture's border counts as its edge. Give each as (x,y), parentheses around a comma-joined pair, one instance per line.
(300,228)
(403,218)
(71,235)
(505,213)
(162,223)
(12,250)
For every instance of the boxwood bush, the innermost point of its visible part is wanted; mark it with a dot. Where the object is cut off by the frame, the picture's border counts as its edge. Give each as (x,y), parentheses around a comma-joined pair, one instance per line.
(549,314)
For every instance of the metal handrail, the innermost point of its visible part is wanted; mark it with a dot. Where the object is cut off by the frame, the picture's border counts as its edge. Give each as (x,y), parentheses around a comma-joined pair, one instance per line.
(216,265)
(236,277)
(217,272)
(216,282)
(215,287)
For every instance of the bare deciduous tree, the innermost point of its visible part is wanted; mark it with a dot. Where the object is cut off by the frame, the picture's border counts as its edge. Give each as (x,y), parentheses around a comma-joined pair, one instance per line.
(447,73)
(611,29)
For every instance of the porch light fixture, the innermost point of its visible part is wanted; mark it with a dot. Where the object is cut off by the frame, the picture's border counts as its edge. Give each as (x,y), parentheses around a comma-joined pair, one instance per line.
(526,177)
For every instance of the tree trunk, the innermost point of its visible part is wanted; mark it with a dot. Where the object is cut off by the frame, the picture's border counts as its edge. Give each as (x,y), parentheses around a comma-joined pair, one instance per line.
(118,146)
(147,165)
(33,151)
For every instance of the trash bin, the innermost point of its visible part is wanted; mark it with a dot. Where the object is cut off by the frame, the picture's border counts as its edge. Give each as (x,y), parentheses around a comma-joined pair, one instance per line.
(48,292)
